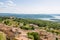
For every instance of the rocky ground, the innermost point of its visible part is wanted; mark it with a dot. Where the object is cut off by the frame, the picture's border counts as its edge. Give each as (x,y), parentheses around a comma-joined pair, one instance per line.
(15,33)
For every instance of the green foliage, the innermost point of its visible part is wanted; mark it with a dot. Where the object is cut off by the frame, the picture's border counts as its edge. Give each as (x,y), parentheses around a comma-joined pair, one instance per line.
(41,23)
(2,36)
(56,38)
(27,27)
(33,35)
(6,22)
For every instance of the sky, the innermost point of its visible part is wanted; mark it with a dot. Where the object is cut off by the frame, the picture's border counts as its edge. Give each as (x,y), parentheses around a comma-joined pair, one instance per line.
(30,6)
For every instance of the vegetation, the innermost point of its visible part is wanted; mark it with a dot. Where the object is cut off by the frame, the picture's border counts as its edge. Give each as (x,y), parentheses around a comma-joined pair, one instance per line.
(56,38)
(2,36)
(41,23)
(49,26)
(33,35)
(27,27)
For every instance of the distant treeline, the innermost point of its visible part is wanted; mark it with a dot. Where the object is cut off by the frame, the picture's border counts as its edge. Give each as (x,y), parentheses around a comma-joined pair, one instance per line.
(40,23)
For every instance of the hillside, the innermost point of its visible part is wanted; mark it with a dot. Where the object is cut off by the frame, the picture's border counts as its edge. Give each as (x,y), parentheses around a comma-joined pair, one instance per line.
(28,29)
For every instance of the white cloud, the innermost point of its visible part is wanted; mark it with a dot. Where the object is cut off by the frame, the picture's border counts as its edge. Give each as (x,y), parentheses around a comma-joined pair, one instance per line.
(34,10)
(10,7)
(1,3)
(7,6)
(46,10)
(8,3)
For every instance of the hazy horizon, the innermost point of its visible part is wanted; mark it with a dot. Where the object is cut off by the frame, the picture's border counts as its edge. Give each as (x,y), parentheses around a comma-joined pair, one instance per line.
(33,13)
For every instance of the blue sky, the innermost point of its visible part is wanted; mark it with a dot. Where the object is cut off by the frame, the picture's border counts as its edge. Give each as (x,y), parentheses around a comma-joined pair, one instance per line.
(30,6)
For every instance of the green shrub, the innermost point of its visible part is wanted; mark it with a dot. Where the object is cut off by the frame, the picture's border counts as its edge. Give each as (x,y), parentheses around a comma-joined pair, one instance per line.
(33,35)
(27,28)
(6,22)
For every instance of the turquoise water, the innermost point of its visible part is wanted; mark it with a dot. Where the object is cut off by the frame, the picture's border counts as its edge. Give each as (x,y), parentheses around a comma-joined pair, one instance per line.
(27,15)
(34,16)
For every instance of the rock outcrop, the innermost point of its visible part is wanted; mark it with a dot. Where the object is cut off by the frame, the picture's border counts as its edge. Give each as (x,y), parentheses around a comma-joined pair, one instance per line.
(20,34)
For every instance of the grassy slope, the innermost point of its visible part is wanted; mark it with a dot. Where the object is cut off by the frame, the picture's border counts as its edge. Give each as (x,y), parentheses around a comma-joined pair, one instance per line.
(16,22)
(2,36)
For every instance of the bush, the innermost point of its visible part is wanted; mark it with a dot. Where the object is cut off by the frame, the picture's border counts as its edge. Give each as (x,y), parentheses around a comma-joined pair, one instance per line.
(33,35)
(27,28)
(6,22)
